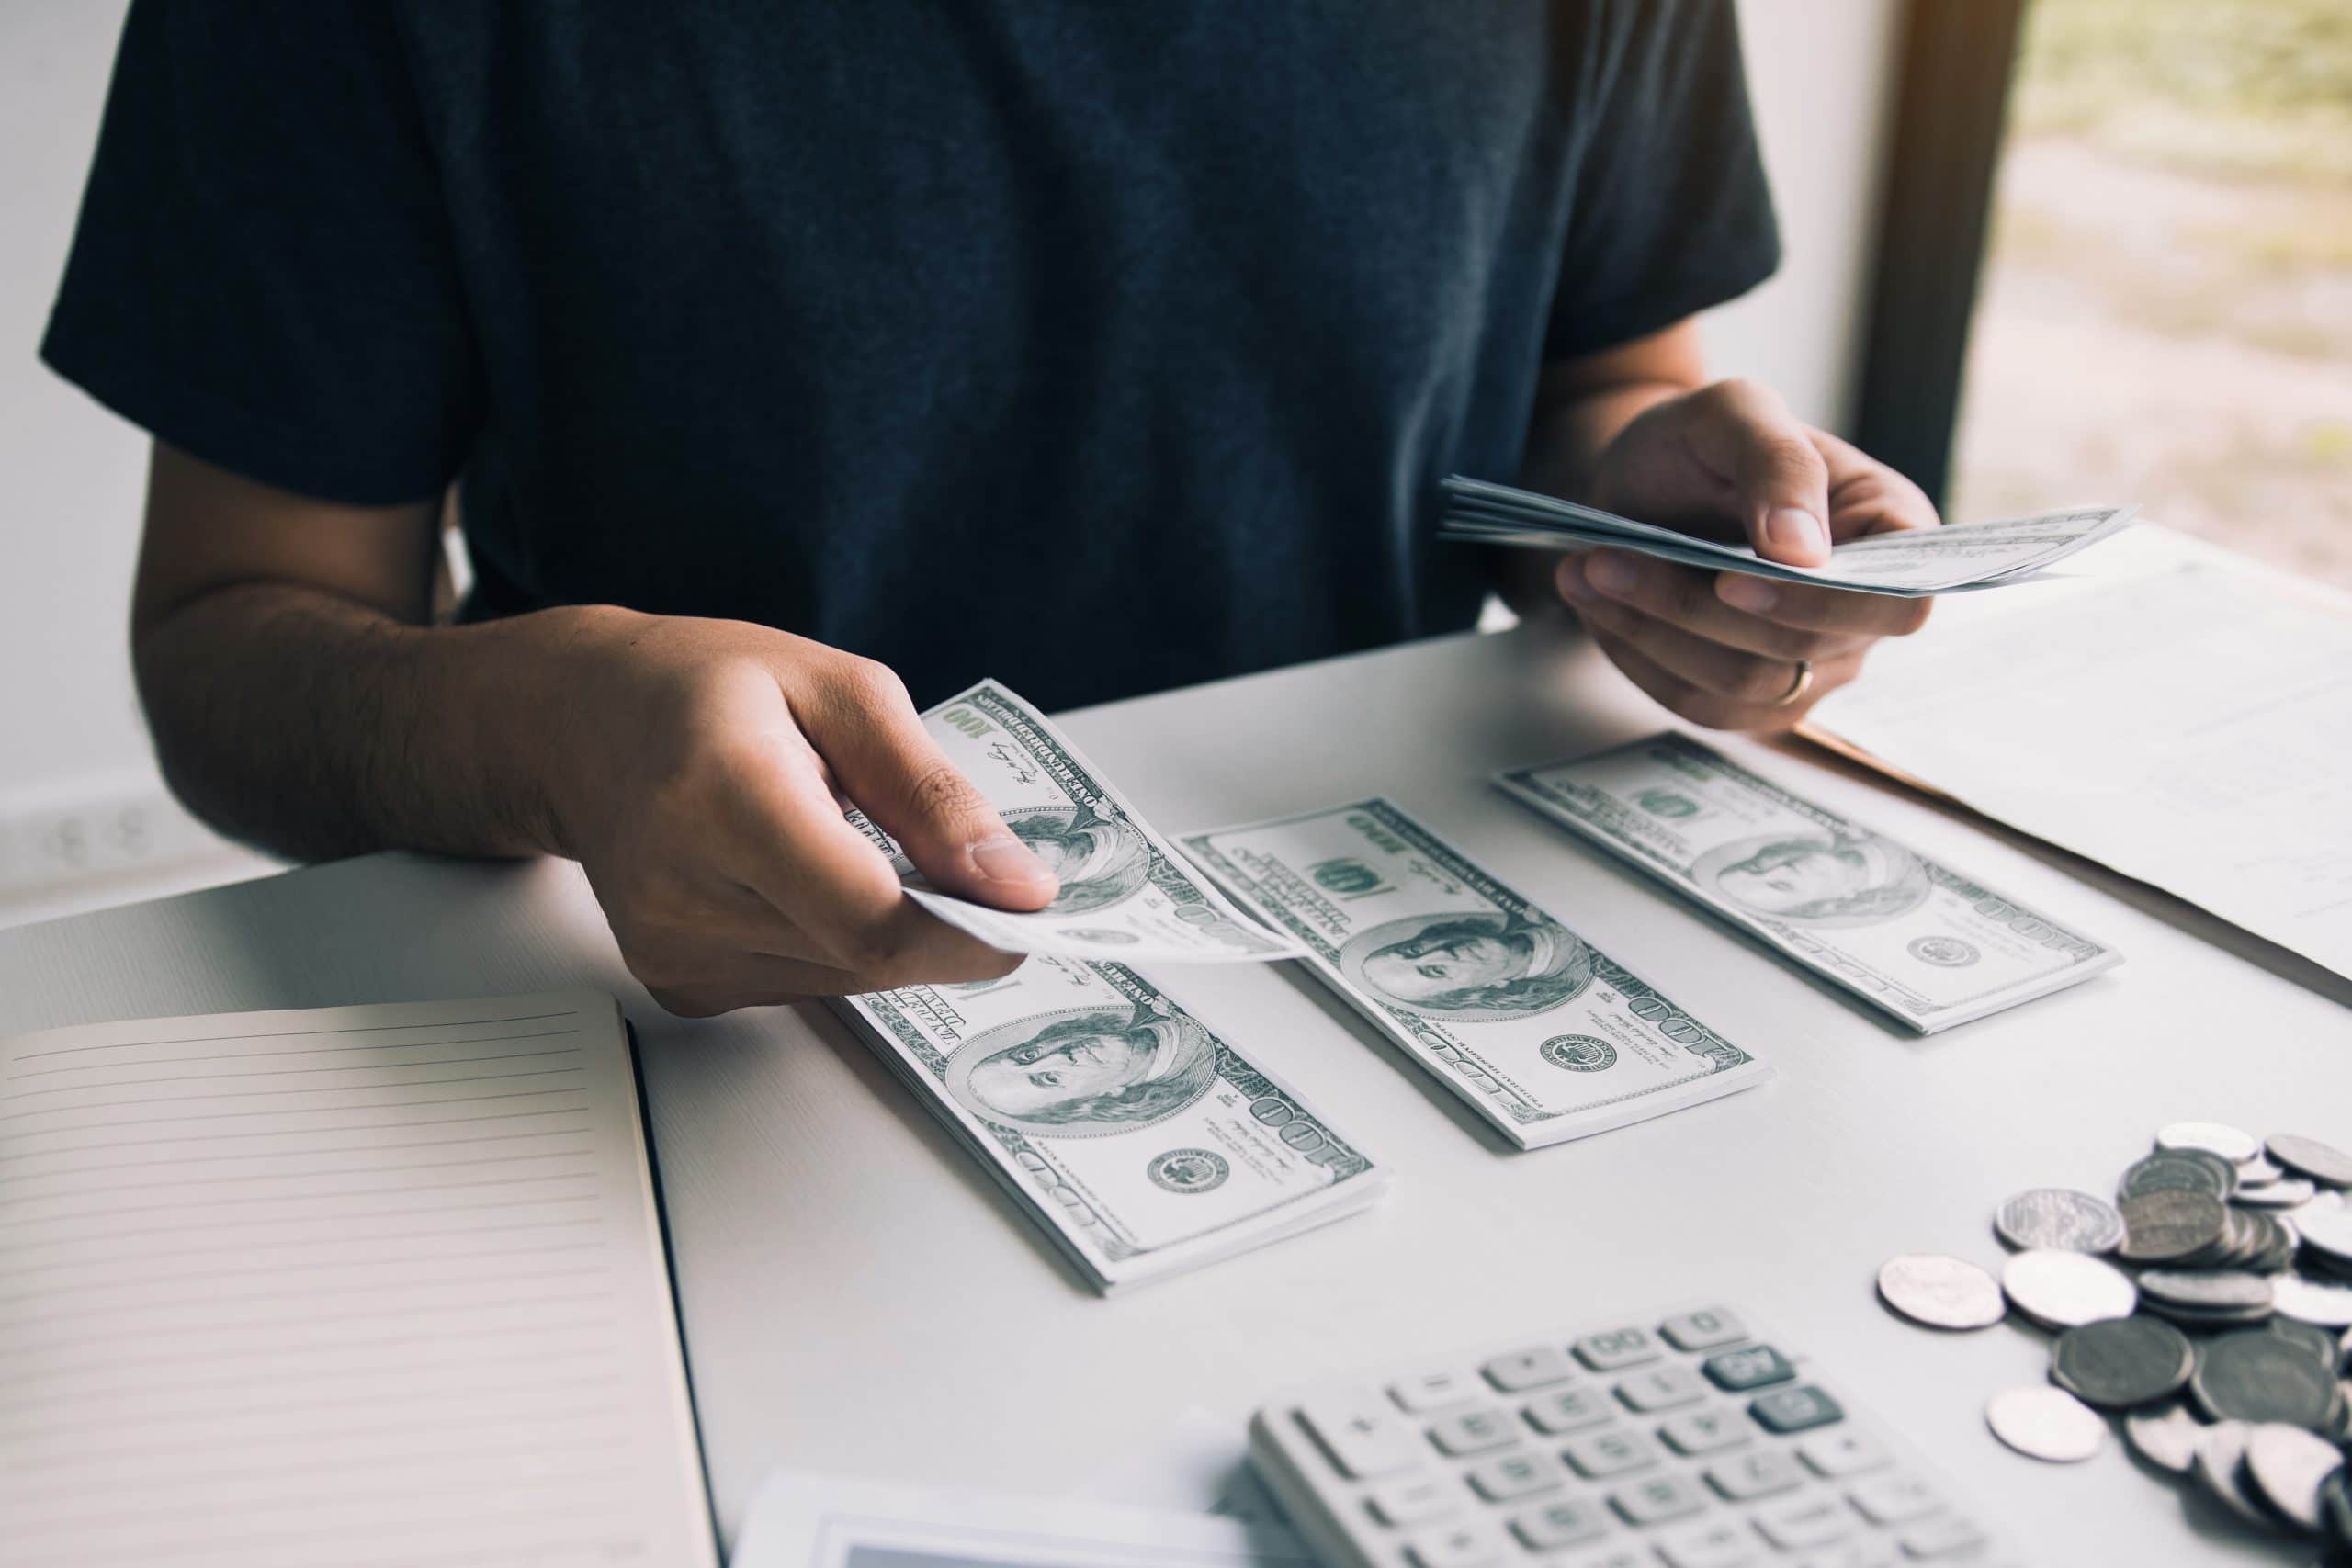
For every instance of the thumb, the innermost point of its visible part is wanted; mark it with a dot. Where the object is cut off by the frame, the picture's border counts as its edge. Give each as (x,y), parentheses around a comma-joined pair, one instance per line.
(1783,481)
(883,761)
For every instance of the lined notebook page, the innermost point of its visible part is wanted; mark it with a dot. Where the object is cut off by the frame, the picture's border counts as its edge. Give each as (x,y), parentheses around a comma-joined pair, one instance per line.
(361,1285)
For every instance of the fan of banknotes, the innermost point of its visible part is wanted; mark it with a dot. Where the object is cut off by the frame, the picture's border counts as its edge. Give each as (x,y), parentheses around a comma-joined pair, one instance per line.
(1956,558)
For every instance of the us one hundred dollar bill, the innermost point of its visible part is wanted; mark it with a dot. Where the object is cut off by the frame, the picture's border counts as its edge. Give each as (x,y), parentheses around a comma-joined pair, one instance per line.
(1125,893)
(1917,940)
(1140,1139)
(1545,1035)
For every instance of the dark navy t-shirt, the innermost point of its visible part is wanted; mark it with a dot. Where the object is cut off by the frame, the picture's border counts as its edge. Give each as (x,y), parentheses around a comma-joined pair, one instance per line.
(1091,345)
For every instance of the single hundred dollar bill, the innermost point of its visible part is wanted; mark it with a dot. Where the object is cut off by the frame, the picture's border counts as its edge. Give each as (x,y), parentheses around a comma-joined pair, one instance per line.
(1140,1139)
(1547,1036)
(1915,938)
(1125,893)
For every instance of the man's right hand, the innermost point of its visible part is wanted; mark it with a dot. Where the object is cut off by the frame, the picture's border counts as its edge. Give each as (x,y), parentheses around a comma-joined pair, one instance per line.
(699,769)
(302,699)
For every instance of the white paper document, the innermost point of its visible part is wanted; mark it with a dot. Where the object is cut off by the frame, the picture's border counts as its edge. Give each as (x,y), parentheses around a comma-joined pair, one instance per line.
(371,1285)
(2191,727)
(815,1521)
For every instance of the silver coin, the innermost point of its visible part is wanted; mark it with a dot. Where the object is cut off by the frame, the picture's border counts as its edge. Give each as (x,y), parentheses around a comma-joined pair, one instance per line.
(2192,1170)
(2066,1290)
(2211,1289)
(2288,1466)
(2046,1423)
(2336,1504)
(2169,1224)
(2121,1362)
(2165,1436)
(2321,1162)
(2288,1192)
(2213,1137)
(2062,1218)
(2328,1231)
(2256,1171)
(2219,1463)
(2256,1377)
(2312,1301)
(2317,1343)
(1939,1291)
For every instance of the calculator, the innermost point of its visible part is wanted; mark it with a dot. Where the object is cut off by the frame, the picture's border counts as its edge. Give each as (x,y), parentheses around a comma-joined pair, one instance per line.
(1686,1441)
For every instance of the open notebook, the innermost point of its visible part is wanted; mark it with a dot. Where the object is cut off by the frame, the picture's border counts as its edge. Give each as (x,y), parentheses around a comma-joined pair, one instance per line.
(367,1285)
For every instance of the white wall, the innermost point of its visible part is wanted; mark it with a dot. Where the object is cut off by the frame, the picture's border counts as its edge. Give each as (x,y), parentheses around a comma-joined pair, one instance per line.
(69,724)
(1822,73)
(69,506)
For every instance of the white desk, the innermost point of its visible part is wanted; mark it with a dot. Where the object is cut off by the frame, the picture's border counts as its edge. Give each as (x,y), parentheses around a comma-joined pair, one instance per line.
(857,1297)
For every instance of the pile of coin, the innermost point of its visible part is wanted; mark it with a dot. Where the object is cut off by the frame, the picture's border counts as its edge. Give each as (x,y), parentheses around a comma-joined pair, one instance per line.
(2221,1334)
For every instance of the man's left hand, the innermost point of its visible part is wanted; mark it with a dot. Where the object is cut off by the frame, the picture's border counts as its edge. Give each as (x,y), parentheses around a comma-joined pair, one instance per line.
(1723,650)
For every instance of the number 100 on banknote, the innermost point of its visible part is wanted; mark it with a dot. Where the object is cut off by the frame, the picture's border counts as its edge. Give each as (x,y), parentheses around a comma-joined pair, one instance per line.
(1544,1034)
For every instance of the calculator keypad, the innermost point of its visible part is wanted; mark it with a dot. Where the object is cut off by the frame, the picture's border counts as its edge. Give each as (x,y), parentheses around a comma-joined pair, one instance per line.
(1685,1442)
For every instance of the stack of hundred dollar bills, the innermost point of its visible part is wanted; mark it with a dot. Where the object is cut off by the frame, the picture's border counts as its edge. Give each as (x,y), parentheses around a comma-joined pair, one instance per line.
(1142,1140)
(1955,558)
(1538,1030)
(1925,944)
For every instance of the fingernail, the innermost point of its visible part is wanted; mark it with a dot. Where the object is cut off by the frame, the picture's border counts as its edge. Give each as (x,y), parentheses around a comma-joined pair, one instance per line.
(1007,860)
(1793,529)
(1573,587)
(1609,573)
(1752,593)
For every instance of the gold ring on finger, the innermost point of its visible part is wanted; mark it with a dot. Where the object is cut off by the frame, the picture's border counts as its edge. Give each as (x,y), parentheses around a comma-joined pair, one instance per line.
(1799,685)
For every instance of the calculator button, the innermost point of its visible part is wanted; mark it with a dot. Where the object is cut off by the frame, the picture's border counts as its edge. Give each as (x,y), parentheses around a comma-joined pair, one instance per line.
(1893,1499)
(1431,1391)
(1702,1330)
(1514,1476)
(1605,1557)
(1472,1431)
(1723,1544)
(1947,1535)
(1786,1410)
(1565,1410)
(1860,1555)
(1557,1524)
(1750,1366)
(1804,1522)
(1362,1436)
(1660,1498)
(1703,1431)
(1453,1546)
(1599,1454)
(1527,1368)
(1661,1388)
(1849,1452)
(1757,1474)
(1411,1502)
(1617,1348)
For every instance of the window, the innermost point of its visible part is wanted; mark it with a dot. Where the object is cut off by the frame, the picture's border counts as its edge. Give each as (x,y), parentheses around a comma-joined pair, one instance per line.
(2165,309)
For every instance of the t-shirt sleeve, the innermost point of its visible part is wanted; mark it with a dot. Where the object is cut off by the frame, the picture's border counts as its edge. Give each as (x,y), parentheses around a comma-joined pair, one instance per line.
(1669,213)
(262,273)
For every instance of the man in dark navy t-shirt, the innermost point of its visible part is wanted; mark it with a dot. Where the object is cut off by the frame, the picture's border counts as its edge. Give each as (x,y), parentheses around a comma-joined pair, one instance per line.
(787,359)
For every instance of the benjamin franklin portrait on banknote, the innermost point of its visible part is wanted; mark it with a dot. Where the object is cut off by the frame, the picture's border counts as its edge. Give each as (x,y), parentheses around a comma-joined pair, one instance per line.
(1845,879)
(1469,966)
(1099,860)
(1084,1074)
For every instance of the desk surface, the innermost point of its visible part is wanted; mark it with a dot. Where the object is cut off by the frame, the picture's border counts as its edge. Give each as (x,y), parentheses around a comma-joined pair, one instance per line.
(857,1297)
